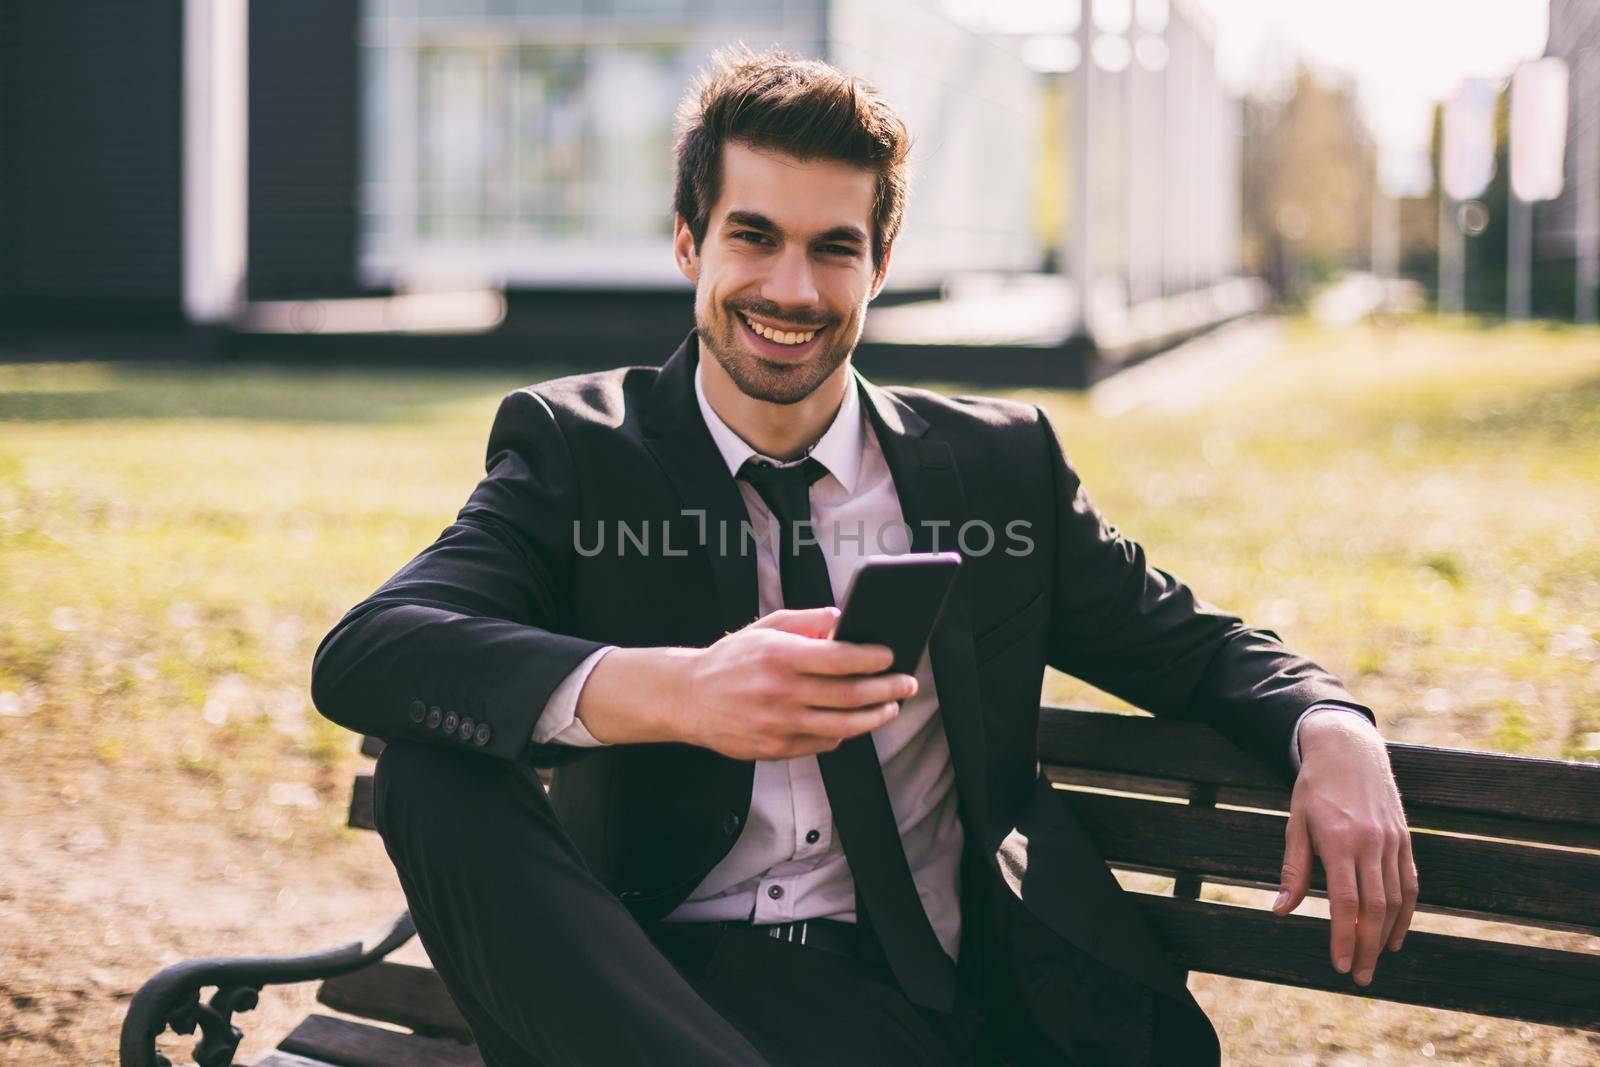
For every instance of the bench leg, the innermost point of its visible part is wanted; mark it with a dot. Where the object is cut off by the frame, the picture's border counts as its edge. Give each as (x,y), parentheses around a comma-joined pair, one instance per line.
(543,962)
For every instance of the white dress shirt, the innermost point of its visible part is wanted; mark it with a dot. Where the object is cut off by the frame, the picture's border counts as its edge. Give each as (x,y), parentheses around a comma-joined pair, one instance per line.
(788,864)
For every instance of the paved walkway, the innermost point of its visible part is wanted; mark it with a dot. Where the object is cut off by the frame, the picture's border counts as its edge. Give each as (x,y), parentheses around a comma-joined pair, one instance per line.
(1192,373)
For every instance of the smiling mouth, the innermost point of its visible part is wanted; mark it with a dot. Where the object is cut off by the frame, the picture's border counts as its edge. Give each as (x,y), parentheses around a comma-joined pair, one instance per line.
(780,337)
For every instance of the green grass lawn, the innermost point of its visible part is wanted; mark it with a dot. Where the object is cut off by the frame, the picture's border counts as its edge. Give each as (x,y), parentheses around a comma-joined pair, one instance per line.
(1416,508)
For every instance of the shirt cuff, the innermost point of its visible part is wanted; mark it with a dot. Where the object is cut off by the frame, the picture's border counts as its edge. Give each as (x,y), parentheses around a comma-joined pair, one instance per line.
(1294,738)
(559,723)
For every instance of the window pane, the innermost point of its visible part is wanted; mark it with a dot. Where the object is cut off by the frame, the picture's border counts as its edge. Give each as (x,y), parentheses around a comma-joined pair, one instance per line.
(553,167)
(534,140)
(634,90)
(454,144)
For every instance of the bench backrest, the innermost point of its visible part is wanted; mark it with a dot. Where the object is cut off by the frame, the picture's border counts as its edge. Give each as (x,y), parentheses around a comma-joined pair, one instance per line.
(1505,838)
(1497,837)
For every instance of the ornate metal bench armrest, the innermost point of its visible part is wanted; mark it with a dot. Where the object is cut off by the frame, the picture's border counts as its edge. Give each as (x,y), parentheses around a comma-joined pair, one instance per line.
(172,997)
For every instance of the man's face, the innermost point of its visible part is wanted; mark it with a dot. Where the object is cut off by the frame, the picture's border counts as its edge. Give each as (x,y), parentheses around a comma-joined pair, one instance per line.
(784,273)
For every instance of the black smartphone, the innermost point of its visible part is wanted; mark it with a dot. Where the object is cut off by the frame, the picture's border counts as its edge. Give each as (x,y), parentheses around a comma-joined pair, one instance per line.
(896,601)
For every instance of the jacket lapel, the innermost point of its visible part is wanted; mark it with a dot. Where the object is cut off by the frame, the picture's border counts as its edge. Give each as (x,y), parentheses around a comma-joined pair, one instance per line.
(676,434)
(934,506)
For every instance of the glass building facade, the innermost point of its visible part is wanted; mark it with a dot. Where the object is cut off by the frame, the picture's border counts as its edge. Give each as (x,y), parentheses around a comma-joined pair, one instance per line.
(529,142)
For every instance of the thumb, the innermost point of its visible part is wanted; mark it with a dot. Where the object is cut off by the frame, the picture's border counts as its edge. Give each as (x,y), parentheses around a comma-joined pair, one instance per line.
(1296,878)
(807,622)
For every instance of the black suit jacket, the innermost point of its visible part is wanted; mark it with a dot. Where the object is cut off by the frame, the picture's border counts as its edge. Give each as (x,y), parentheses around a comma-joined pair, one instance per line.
(489,619)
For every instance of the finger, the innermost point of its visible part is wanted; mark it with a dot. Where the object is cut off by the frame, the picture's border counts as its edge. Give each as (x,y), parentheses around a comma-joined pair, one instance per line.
(1295,878)
(849,693)
(808,622)
(839,657)
(1391,892)
(1370,921)
(1408,895)
(841,725)
(1344,901)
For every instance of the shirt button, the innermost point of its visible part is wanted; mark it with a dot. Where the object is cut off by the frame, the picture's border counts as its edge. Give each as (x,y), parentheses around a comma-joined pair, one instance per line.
(775,892)
(730,823)
(812,836)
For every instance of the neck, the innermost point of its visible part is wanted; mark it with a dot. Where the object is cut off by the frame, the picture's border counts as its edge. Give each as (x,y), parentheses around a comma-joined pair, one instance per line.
(782,431)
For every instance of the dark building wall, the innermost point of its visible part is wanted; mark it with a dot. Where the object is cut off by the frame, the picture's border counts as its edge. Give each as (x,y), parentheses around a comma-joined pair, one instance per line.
(304,148)
(91,151)
(8,149)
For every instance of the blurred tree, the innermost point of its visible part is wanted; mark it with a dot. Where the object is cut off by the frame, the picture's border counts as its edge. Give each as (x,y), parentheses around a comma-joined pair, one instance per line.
(1419,220)
(1308,178)
(1487,241)
(1486,250)
(1050,169)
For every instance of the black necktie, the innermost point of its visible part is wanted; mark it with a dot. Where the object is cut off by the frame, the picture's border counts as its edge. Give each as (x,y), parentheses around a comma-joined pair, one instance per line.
(851,774)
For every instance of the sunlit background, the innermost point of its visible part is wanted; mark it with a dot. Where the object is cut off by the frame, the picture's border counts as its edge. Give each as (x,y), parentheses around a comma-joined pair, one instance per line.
(1306,287)
(1089,186)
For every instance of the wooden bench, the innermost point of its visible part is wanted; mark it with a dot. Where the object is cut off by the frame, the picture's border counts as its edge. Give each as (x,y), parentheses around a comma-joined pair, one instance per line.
(1505,838)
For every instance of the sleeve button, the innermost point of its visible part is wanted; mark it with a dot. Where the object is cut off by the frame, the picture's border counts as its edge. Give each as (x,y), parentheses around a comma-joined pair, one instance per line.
(480,737)
(434,715)
(730,823)
(419,711)
(466,729)
(450,721)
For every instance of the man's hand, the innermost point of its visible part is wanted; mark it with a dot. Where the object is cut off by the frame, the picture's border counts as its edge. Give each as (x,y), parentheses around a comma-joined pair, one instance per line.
(774,690)
(1346,808)
(779,688)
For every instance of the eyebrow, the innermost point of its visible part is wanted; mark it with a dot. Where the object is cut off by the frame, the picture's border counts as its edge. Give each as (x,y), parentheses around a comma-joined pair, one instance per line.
(756,221)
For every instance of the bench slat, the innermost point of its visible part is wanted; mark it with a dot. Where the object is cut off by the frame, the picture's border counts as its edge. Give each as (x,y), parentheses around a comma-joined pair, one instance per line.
(399,993)
(1435,970)
(1536,985)
(1492,879)
(1518,798)
(1439,780)
(353,1044)
(1481,878)
(281,1058)
(1418,815)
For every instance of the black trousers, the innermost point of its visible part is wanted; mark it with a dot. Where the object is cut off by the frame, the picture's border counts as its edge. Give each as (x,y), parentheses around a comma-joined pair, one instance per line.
(548,968)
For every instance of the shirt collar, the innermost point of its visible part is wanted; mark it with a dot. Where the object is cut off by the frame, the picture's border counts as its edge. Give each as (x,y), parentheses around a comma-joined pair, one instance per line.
(838,449)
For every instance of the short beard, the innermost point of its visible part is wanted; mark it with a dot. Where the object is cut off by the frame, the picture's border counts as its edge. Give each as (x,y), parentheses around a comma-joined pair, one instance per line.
(761,380)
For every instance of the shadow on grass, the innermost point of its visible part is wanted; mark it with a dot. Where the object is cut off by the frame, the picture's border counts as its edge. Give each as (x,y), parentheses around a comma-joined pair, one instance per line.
(74,393)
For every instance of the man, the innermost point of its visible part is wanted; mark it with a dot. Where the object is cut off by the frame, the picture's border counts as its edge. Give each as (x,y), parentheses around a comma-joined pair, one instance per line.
(761,846)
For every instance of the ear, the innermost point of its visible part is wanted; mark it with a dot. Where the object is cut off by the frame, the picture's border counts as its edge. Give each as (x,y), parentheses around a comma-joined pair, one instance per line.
(684,251)
(881,275)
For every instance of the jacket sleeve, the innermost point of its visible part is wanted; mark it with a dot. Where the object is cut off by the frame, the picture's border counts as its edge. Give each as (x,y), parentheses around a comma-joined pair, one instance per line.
(1141,634)
(473,626)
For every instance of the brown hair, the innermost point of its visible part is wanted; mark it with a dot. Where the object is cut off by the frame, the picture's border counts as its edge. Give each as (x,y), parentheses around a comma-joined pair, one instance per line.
(801,107)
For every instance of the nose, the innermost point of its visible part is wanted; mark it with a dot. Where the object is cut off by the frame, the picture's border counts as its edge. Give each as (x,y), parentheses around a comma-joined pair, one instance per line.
(792,283)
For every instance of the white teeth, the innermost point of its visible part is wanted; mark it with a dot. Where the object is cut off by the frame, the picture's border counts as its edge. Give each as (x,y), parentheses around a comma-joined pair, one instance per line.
(782,337)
